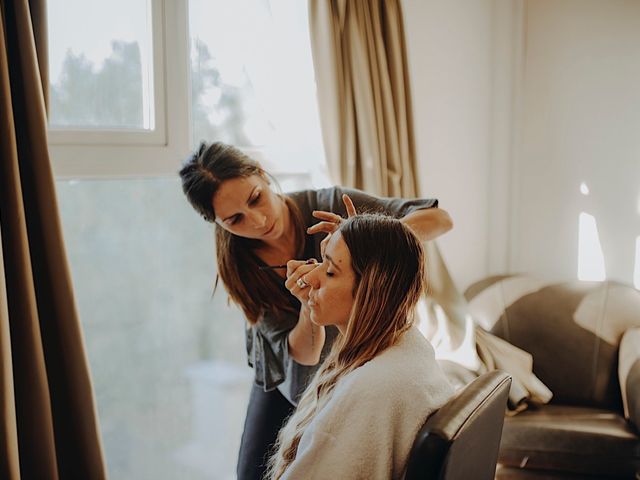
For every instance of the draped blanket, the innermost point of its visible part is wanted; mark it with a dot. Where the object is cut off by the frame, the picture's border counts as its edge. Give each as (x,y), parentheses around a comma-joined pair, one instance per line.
(464,348)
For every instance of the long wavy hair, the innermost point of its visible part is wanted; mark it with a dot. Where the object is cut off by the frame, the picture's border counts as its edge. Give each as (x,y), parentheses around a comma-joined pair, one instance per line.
(254,290)
(388,261)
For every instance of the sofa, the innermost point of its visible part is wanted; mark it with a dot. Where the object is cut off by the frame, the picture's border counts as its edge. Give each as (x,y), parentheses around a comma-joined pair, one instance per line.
(585,341)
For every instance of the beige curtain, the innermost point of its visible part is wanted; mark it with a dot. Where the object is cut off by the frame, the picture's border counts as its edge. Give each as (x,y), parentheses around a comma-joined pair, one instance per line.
(48,424)
(365,109)
(363,94)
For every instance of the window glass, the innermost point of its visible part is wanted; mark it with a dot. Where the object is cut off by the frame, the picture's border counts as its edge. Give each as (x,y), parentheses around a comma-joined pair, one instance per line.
(100,61)
(252,82)
(167,357)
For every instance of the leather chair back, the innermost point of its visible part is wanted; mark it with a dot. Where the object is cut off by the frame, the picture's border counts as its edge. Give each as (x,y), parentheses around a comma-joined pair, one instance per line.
(461,440)
(572,330)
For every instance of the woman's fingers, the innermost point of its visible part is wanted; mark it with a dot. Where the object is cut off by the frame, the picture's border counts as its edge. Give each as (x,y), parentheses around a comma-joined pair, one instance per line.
(323,244)
(296,270)
(351,208)
(292,266)
(328,216)
(328,227)
(330,220)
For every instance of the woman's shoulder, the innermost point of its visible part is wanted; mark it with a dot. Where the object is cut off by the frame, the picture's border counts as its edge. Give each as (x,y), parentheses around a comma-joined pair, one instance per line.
(405,379)
(412,346)
(409,364)
(320,198)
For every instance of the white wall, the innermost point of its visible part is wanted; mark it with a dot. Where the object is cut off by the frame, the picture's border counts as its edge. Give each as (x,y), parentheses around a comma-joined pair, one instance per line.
(516,103)
(449,45)
(580,122)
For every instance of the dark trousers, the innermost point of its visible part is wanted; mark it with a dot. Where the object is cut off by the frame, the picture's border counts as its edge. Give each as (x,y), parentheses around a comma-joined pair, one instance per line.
(266,414)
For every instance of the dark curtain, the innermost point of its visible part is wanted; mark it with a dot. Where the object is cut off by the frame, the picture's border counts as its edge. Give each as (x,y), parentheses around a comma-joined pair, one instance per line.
(48,422)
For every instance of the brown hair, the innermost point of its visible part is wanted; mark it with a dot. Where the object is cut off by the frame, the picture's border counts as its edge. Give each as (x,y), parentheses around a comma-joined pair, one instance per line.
(388,261)
(255,291)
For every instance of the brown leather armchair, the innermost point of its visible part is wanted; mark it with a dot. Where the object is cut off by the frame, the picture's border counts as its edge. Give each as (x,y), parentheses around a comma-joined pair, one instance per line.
(573,331)
(460,441)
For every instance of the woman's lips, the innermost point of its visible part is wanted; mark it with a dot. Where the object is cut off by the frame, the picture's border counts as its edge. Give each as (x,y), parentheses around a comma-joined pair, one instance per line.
(270,229)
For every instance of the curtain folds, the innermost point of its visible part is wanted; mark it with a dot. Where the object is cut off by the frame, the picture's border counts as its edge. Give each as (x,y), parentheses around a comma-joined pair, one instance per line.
(363,94)
(365,110)
(48,422)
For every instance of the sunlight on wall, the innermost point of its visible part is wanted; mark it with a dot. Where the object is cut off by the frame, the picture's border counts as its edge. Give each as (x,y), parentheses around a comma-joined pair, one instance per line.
(584,189)
(590,258)
(636,269)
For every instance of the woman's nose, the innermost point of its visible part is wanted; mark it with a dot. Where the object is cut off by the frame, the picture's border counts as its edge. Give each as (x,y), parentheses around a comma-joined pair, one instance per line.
(259,220)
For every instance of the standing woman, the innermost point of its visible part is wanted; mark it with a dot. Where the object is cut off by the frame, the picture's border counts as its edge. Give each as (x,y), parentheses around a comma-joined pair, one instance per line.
(255,228)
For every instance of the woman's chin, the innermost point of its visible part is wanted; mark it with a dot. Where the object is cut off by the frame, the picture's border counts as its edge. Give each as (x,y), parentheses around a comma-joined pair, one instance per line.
(317,319)
(319,322)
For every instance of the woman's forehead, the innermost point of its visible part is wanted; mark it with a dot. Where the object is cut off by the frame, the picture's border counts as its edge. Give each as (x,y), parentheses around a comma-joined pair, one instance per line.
(338,252)
(233,193)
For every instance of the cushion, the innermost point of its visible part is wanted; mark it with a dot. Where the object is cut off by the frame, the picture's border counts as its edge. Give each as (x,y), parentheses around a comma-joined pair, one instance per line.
(629,374)
(576,325)
(577,439)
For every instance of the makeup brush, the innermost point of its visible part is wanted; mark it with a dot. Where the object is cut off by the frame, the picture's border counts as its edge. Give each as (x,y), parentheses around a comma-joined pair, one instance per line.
(274,267)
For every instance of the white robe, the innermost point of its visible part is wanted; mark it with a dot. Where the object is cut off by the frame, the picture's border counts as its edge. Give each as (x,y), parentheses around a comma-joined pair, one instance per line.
(367,428)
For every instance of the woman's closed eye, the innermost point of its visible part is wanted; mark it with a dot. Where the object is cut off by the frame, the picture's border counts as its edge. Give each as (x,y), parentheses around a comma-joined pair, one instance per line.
(256,198)
(233,220)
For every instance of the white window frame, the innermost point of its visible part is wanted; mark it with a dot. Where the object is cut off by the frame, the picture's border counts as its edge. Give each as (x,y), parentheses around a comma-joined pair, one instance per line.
(60,135)
(109,153)
(98,153)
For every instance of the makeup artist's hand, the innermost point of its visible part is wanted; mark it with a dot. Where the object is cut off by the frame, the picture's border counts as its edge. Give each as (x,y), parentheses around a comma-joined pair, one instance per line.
(296,270)
(330,221)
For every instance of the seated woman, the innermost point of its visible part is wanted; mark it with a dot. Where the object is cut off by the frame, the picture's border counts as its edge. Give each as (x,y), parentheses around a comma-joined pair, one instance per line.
(363,409)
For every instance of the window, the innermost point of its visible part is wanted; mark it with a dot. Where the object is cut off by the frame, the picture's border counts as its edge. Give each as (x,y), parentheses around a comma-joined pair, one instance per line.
(252,82)
(134,87)
(237,71)
(106,81)
(119,87)
(167,357)
(102,77)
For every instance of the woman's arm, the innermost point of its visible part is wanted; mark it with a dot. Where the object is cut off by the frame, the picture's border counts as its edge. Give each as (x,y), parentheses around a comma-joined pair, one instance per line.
(428,223)
(306,340)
